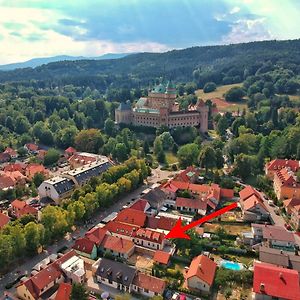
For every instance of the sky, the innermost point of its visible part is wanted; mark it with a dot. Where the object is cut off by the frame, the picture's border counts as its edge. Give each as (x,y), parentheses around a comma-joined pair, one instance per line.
(36,28)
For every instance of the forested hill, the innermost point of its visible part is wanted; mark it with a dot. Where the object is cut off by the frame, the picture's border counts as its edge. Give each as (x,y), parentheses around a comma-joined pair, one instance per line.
(221,64)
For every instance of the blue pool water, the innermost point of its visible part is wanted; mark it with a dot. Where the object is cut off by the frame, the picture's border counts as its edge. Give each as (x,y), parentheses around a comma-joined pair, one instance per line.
(231,265)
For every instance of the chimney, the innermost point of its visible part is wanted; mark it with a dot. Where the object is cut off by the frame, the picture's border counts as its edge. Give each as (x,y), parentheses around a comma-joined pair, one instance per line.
(262,287)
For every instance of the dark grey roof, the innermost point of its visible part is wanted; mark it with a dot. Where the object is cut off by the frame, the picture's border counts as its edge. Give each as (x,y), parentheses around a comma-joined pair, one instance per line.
(124,106)
(116,271)
(155,197)
(93,172)
(64,186)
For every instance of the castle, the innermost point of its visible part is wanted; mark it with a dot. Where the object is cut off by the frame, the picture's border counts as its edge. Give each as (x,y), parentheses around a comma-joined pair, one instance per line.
(160,108)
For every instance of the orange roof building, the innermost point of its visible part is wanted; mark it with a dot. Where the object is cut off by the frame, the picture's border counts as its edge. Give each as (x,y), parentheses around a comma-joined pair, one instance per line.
(278,164)
(4,219)
(85,247)
(162,257)
(96,235)
(201,273)
(64,291)
(131,216)
(33,169)
(148,285)
(118,246)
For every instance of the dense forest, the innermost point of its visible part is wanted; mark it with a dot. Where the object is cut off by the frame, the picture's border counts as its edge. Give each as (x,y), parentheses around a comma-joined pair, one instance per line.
(220,64)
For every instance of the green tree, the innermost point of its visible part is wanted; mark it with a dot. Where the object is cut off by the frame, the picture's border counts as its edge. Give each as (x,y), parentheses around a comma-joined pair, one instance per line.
(78,208)
(109,127)
(222,125)
(34,236)
(6,250)
(166,140)
(207,158)
(146,147)
(89,140)
(38,178)
(159,151)
(209,87)
(187,155)
(244,165)
(22,125)
(51,157)
(79,292)
(120,152)
(235,94)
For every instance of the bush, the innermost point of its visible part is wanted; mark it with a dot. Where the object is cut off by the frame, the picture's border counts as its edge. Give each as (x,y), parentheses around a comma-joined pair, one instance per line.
(209,87)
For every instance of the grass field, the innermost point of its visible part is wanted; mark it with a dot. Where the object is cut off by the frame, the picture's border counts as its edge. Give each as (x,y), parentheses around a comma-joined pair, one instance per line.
(217,97)
(171,158)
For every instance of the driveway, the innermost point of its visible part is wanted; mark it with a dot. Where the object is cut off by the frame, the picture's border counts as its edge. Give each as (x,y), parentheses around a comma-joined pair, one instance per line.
(31,262)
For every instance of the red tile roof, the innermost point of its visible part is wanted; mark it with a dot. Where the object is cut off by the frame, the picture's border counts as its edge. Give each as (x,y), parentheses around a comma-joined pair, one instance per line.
(277,233)
(131,216)
(292,202)
(4,157)
(121,228)
(15,167)
(150,283)
(275,281)
(252,202)
(17,176)
(4,219)
(227,193)
(32,147)
(10,151)
(6,182)
(190,203)
(140,204)
(96,235)
(82,159)
(162,257)
(278,164)
(27,210)
(117,244)
(183,176)
(165,223)
(32,169)
(169,186)
(18,204)
(247,192)
(64,291)
(71,150)
(203,268)
(180,185)
(84,245)
(149,235)
(152,222)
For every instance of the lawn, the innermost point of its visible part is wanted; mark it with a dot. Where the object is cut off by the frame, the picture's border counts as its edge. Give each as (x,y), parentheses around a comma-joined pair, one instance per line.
(230,228)
(171,158)
(217,97)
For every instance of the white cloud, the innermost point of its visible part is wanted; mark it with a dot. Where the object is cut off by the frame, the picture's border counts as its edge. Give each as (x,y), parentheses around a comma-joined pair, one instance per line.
(35,38)
(234,10)
(245,30)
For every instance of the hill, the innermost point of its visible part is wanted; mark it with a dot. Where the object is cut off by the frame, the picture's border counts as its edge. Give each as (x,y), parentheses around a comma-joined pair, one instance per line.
(35,62)
(225,64)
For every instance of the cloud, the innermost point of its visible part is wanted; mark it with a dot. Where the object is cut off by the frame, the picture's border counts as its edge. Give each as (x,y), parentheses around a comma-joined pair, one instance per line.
(234,10)
(247,30)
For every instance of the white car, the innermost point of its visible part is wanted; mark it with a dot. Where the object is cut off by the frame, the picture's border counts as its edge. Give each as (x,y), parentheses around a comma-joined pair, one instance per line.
(270,202)
(175,296)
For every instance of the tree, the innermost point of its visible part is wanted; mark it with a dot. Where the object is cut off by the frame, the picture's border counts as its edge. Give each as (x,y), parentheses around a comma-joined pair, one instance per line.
(159,151)
(207,158)
(166,140)
(120,152)
(187,155)
(6,250)
(34,236)
(51,157)
(244,165)
(222,125)
(109,127)
(235,94)
(123,297)
(78,208)
(209,87)
(22,125)
(38,178)
(89,140)
(146,147)
(79,292)
(219,158)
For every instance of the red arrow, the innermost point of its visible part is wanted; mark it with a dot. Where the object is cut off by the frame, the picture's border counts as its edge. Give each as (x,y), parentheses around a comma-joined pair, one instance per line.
(178,231)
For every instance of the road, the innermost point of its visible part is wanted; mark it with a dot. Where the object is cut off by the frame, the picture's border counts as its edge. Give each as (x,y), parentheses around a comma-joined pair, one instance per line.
(27,266)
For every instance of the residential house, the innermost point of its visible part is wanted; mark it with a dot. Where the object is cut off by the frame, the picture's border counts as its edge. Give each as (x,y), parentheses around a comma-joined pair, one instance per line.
(201,274)
(11,167)
(141,205)
(278,164)
(247,192)
(190,174)
(147,285)
(295,217)
(254,209)
(85,247)
(149,238)
(286,185)
(6,182)
(161,224)
(41,153)
(4,219)
(131,216)
(162,257)
(33,169)
(273,236)
(119,247)
(272,282)
(79,159)
(64,291)
(96,235)
(74,269)
(69,152)
(16,176)
(31,148)
(13,154)
(21,208)
(156,198)
(280,258)
(290,203)
(117,275)
(35,286)
(4,157)
(192,205)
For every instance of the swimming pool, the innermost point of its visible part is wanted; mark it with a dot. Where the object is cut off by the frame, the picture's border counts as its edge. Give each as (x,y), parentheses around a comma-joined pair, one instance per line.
(231,265)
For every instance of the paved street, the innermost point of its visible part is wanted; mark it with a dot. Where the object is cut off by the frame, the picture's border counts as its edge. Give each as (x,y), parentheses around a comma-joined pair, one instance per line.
(157,175)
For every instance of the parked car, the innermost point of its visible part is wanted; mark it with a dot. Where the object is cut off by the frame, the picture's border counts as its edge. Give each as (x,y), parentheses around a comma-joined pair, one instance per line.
(270,202)
(175,296)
